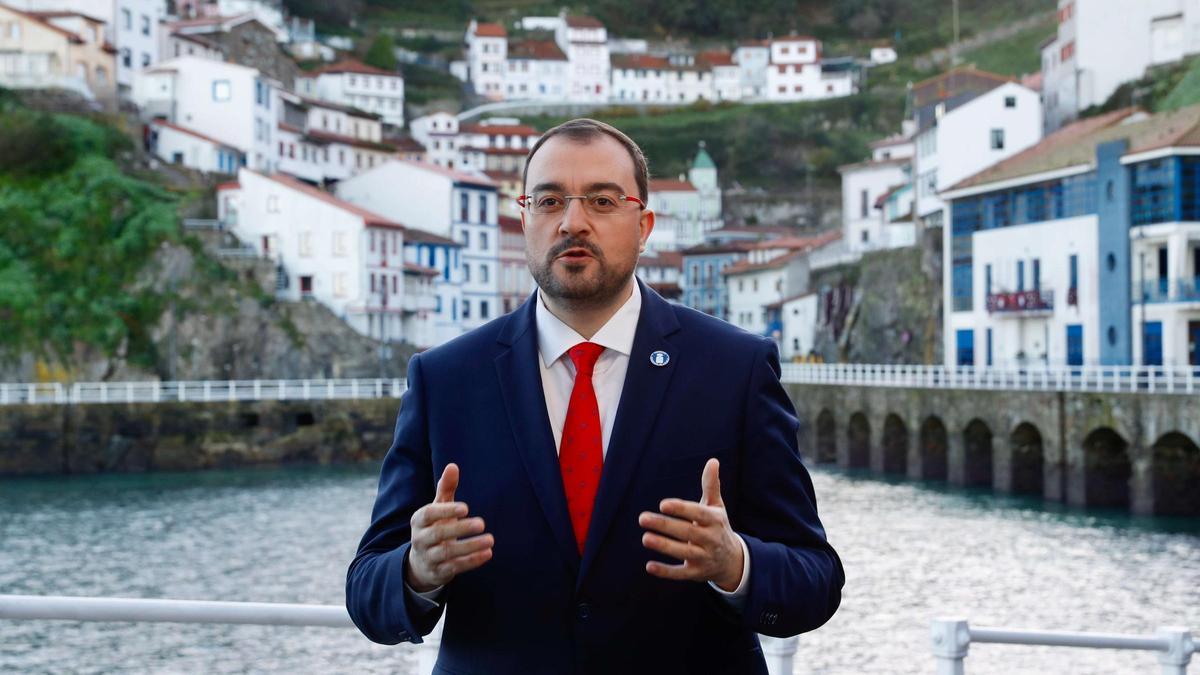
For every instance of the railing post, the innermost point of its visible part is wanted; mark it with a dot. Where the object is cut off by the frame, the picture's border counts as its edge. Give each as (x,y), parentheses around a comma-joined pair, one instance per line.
(157,391)
(951,641)
(208,391)
(779,653)
(257,390)
(1179,651)
(306,384)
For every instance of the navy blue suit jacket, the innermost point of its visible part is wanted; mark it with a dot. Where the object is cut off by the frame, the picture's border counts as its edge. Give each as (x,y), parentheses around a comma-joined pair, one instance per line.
(538,606)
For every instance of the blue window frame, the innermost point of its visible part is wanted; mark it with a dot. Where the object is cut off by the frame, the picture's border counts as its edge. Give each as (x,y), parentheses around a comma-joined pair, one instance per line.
(1074,344)
(962,287)
(1152,343)
(1074,263)
(965,347)
(989,346)
(1037,274)
(1152,191)
(1020,275)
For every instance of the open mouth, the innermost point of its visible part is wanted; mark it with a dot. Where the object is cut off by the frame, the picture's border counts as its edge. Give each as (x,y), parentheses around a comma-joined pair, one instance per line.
(575,255)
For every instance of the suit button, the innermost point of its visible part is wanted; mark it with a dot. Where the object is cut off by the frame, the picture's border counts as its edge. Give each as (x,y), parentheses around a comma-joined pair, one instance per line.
(583,610)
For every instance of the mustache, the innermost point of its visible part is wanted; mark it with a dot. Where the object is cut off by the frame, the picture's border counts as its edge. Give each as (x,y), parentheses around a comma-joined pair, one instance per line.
(574,242)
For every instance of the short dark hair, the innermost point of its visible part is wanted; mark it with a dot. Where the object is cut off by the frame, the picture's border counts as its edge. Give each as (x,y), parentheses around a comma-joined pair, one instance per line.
(584,130)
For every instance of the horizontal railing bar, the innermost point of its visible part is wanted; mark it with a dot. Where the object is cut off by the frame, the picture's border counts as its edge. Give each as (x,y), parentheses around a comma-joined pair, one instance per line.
(1051,638)
(69,608)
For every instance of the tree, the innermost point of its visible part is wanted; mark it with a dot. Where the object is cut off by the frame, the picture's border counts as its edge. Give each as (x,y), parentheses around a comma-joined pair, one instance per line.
(382,53)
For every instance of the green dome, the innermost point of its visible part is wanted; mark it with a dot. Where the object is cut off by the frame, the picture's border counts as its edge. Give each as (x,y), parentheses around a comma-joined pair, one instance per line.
(703,161)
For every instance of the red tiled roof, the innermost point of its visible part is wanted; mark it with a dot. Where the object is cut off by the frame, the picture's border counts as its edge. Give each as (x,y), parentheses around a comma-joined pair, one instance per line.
(65,13)
(406,144)
(794,38)
(745,266)
(457,176)
(413,268)
(500,152)
(230,185)
(490,30)
(715,57)
(45,24)
(284,126)
(671,259)
(583,22)
(541,50)
(350,66)
(666,289)
(328,137)
(670,185)
(190,132)
(780,303)
(368,217)
(348,109)
(640,62)
(503,176)
(894,139)
(499,129)
(414,235)
(800,247)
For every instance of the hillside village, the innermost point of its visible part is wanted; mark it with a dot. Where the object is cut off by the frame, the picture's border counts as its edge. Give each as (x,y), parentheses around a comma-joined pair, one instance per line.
(407,227)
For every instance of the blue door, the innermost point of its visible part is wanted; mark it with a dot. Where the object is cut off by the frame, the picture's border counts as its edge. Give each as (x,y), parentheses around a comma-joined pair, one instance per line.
(1194,343)
(1152,344)
(1075,345)
(966,347)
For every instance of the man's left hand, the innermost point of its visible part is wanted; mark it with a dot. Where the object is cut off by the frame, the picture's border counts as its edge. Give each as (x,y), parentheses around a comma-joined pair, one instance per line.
(698,533)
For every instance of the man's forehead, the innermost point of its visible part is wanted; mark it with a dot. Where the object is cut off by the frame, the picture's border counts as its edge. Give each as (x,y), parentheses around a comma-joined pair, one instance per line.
(598,159)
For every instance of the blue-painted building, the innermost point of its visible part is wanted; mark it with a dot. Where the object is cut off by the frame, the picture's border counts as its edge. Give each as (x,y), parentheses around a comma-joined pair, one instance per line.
(703,282)
(1084,249)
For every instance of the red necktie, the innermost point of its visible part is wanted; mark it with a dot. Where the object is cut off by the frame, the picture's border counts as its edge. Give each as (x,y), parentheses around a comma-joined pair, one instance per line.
(581,456)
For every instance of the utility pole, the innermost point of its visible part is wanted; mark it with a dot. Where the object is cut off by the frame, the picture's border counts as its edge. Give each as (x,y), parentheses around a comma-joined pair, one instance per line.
(954,45)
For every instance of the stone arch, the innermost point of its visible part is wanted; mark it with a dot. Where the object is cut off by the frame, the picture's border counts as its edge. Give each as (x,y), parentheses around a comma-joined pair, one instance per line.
(977,454)
(1176,475)
(1106,469)
(933,449)
(895,444)
(1026,460)
(826,437)
(858,442)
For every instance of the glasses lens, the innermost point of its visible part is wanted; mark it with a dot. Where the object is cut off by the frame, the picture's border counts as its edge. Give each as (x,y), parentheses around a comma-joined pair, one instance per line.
(603,202)
(547,202)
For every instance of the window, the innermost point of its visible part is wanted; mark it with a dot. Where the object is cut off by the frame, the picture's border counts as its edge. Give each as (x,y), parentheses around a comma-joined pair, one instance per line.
(372,242)
(466,274)
(339,284)
(126,57)
(466,238)
(339,244)
(221,91)
(145,59)
(466,308)
(145,25)
(464,209)
(127,19)
(306,244)
(1074,273)
(483,241)
(862,204)
(483,209)
(1037,274)
(987,280)
(484,308)
(1074,345)
(483,278)
(1010,101)
(1020,275)
(965,343)
(273,204)
(997,139)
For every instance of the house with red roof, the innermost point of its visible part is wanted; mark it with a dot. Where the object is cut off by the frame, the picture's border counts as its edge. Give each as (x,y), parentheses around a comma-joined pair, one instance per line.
(536,69)
(56,49)
(355,84)
(487,54)
(686,207)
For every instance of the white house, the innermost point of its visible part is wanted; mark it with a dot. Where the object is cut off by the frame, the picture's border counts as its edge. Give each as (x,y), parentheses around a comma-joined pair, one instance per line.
(863,185)
(753,58)
(795,320)
(535,70)
(233,104)
(794,73)
(323,142)
(180,44)
(1085,249)
(345,257)
(438,132)
(487,52)
(452,204)
(685,209)
(640,77)
(968,132)
(883,55)
(186,147)
(663,272)
(765,277)
(726,74)
(1080,65)
(585,42)
(63,49)
(355,84)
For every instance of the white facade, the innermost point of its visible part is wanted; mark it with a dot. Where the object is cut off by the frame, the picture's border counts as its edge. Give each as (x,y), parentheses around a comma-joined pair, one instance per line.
(967,139)
(346,258)
(538,73)
(357,85)
(798,326)
(182,146)
(585,42)
(764,278)
(174,45)
(862,187)
(234,104)
(1166,267)
(487,51)
(753,60)
(794,73)
(883,55)
(451,204)
(727,82)
(438,132)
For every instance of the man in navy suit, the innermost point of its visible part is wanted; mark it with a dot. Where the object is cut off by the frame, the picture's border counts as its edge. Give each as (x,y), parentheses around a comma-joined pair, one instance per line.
(599,482)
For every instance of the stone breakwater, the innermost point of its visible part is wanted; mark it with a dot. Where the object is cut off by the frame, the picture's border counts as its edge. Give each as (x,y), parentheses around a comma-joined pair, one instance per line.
(126,438)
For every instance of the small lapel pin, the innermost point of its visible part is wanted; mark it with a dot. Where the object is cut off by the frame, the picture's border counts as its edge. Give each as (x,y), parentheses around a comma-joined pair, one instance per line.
(659,358)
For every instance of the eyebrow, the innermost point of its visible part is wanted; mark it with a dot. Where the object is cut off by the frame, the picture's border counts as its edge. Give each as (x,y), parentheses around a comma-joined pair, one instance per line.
(590,187)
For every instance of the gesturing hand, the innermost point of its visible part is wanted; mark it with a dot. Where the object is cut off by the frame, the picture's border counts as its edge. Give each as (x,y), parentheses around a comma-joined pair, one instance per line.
(699,534)
(439,553)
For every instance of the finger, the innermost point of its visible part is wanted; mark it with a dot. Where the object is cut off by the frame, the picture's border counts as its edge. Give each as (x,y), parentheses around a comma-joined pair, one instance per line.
(710,483)
(431,513)
(448,530)
(676,528)
(464,563)
(697,513)
(449,550)
(675,549)
(677,572)
(447,484)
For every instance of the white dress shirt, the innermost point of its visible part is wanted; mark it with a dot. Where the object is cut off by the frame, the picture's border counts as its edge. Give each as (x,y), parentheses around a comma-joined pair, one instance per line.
(608,379)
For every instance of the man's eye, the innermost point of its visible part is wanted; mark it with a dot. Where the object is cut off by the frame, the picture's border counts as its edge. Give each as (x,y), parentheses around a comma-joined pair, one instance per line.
(602,200)
(548,202)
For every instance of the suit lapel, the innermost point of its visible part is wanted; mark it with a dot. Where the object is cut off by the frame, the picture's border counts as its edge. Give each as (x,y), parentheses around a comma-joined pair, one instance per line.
(642,394)
(521,385)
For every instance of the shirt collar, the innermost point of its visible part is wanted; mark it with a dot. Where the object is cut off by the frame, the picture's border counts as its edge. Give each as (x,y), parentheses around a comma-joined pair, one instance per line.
(555,337)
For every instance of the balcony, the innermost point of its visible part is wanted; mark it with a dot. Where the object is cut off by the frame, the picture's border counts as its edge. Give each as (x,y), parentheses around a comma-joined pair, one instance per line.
(1170,290)
(1021,303)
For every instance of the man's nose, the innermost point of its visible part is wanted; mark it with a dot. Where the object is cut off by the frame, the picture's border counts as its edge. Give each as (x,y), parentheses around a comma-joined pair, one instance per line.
(574,218)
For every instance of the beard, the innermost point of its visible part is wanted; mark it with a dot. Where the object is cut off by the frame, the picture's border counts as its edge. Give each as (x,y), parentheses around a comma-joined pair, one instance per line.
(591,283)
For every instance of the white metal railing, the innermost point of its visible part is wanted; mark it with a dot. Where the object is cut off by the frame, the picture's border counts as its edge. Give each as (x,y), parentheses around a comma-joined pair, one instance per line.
(778,652)
(952,640)
(1134,379)
(203,391)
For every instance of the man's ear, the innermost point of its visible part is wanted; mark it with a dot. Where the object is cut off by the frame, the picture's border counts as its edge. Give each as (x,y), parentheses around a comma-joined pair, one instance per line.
(646,225)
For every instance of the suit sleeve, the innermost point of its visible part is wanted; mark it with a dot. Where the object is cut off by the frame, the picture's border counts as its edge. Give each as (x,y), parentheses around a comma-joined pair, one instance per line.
(375,590)
(796,577)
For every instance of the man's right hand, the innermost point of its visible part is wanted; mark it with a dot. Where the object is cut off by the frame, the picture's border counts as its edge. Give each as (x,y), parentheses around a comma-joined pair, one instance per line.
(439,550)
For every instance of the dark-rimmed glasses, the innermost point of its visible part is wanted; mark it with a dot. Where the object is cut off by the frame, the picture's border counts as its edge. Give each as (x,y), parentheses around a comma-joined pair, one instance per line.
(595,203)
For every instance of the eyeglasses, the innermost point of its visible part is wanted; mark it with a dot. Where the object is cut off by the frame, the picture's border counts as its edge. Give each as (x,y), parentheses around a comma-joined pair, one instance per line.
(595,203)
